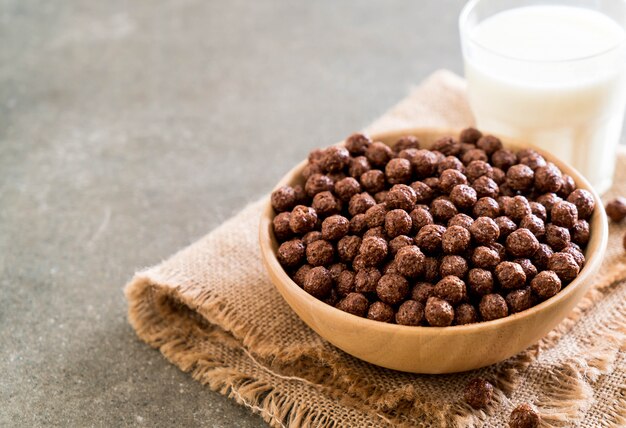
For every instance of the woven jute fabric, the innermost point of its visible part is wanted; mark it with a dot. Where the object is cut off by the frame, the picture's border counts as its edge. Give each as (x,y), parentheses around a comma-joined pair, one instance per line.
(213,312)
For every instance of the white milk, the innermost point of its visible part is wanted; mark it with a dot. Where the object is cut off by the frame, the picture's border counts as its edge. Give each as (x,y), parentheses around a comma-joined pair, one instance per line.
(545,91)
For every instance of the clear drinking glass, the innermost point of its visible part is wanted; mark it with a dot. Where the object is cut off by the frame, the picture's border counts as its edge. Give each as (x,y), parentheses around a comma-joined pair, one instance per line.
(569,102)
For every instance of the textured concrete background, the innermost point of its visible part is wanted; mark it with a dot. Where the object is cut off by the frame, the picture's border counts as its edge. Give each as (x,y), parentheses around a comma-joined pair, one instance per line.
(129,129)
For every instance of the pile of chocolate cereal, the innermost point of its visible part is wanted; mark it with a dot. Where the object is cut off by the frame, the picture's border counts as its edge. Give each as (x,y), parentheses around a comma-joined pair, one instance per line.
(467,231)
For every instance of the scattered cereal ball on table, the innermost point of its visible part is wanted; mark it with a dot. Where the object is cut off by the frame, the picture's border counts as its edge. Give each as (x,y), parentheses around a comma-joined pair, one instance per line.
(380,311)
(616,209)
(493,306)
(478,393)
(438,312)
(624,241)
(524,416)
(355,304)
(546,284)
(410,313)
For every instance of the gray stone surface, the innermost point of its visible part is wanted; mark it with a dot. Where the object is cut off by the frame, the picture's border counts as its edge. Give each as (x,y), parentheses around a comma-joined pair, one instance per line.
(129,129)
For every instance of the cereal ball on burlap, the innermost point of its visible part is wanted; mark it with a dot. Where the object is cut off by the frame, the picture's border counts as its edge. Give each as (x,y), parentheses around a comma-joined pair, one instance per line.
(420,217)
(325,203)
(478,168)
(424,163)
(520,177)
(335,227)
(392,288)
(455,240)
(506,226)
(522,243)
(450,162)
(450,178)
(567,186)
(493,306)
(358,224)
(291,253)
(485,186)
(486,207)
(398,242)
(541,258)
(519,300)
(360,203)
(409,261)
(358,166)
(302,219)
(462,220)
(453,265)
(576,252)
(355,304)
(478,393)
(533,160)
(410,313)
(397,222)
(534,224)
(546,284)
(438,312)
(585,204)
(311,237)
(401,196)
(463,196)
(379,311)
(489,144)
(374,250)
(473,155)
(317,183)
(318,281)
(524,416)
(365,280)
(357,144)
(422,291)
(616,209)
(300,276)
(503,159)
(484,230)
(442,209)
(452,289)
(465,313)
(564,265)
(345,283)
(480,282)
(580,233)
(335,158)
(517,208)
(377,232)
(375,216)
(398,171)
(564,214)
(283,199)
(347,188)
(447,145)
(406,142)
(373,180)
(557,237)
(423,192)
(320,253)
(548,178)
(470,136)
(485,257)
(378,154)
(281,227)
(510,275)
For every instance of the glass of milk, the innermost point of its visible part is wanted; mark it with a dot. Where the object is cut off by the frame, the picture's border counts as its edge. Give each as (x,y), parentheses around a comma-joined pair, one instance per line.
(550,73)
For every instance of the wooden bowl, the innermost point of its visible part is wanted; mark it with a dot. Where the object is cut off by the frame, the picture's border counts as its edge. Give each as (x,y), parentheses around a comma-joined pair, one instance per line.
(435,349)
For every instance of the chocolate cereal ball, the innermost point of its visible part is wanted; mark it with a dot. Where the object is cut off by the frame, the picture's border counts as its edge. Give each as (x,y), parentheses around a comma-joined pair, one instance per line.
(281,227)
(484,230)
(548,200)
(478,168)
(398,242)
(448,146)
(463,196)
(506,226)
(377,232)
(431,269)
(320,253)
(360,203)
(493,306)
(397,222)
(335,159)
(375,216)
(357,144)
(485,186)
(311,237)
(345,283)
(517,208)
(291,253)
(480,282)
(392,288)
(283,199)
(325,204)
(478,393)
(378,154)
(381,196)
(402,197)
(510,275)
(409,261)
(373,180)
(465,314)
(548,178)
(450,178)
(443,209)
(489,144)
(452,289)
(542,256)
(580,233)
(485,257)
(355,304)
(410,313)
(520,177)
(585,204)
(533,160)
(539,210)
(455,240)
(422,291)
(423,192)
(546,284)
(424,163)
(524,416)
(557,237)
(358,224)
(576,252)
(519,300)
(486,207)
(317,183)
(420,217)
(429,238)
(503,159)
(522,243)
(335,227)
(565,266)
(462,220)
(398,171)
(564,214)
(379,311)
(300,276)
(358,166)
(302,219)
(528,267)
(567,186)
(347,188)
(318,282)
(374,250)
(534,224)
(438,312)
(470,136)
(472,155)
(498,176)
(365,280)
(453,265)
(406,142)
(616,209)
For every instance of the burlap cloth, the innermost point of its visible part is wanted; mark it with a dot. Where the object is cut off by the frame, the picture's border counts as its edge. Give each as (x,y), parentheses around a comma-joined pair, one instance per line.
(212,311)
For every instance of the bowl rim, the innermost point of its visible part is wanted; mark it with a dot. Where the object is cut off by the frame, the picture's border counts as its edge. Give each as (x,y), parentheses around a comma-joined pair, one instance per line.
(266,241)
